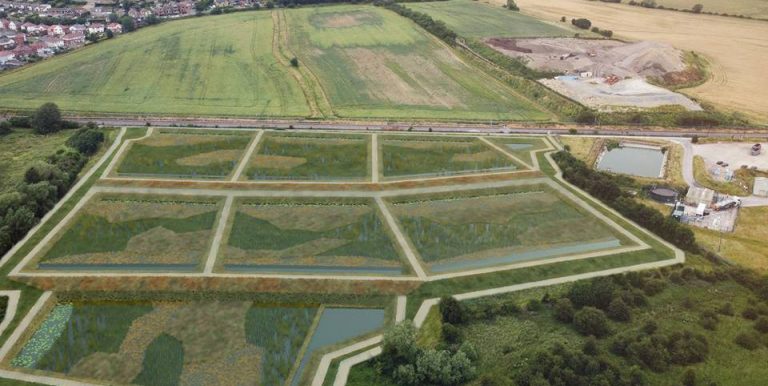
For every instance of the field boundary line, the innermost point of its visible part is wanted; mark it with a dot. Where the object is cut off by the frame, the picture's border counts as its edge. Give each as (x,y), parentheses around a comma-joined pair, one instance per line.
(374,158)
(327,359)
(219,235)
(10,311)
(55,231)
(42,379)
(401,240)
(247,156)
(509,155)
(24,324)
(118,157)
(64,199)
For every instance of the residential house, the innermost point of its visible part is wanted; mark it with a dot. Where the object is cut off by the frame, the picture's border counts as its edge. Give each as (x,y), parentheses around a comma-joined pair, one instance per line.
(33,29)
(116,28)
(9,24)
(73,40)
(20,39)
(77,29)
(7,43)
(54,42)
(57,30)
(96,28)
(24,51)
(6,56)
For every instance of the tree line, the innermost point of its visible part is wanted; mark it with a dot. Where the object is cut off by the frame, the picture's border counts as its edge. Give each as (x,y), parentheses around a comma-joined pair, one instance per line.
(45,182)
(435,27)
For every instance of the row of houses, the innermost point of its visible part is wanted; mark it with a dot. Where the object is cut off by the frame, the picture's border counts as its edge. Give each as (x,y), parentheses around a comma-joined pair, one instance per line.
(58,29)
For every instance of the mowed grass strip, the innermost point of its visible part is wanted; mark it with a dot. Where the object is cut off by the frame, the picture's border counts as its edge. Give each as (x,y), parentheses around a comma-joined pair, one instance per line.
(181,154)
(475,20)
(216,66)
(310,157)
(520,147)
(434,156)
(136,230)
(373,63)
(496,222)
(337,232)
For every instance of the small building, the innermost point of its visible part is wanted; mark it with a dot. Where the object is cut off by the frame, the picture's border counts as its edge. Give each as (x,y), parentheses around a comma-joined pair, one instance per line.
(697,195)
(757,149)
(663,195)
(761,187)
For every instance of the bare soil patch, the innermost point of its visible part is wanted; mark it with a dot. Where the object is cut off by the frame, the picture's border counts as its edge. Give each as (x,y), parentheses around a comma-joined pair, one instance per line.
(317,218)
(276,161)
(213,157)
(121,211)
(162,140)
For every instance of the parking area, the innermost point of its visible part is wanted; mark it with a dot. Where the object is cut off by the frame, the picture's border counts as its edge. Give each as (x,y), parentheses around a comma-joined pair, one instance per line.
(736,154)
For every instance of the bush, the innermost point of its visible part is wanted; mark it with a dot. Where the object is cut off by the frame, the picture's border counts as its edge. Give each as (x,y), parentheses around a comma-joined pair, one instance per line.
(294,61)
(586,117)
(533,305)
(86,141)
(590,347)
(591,321)
(564,310)
(451,333)
(47,119)
(708,320)
(750,313)
(726,309)
(581,23)
(748,340)
(21,122)
(5,128)
(619,311)
(689,378)
(654,286)
(761,325)
(596,292)
(451,310)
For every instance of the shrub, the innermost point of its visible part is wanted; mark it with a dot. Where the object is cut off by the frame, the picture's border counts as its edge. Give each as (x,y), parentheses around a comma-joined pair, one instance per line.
(726,309)
(596,292)
(708,320)
(750,313)
(294,61)
(451,333)
(586,117)
(619,311)
(689,378)
(761,324)
(533,305)
(687,348)
(590,346)
(748,340)
(451,310)
(581,23)
(86,140)
(591,321)
(5,128)
(564,310)
(654,287)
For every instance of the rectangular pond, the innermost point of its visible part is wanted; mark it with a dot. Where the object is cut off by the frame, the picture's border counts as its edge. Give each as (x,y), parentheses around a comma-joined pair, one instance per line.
(641,161)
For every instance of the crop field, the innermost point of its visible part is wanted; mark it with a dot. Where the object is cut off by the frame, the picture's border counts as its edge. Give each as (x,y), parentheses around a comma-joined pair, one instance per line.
(751,8)
(521,147)
(491,227)
(476,20)
(188,67)
(373,63)
(310,235)
(184,154)
(181,343)
(310,157)
(433,156)
(134,232)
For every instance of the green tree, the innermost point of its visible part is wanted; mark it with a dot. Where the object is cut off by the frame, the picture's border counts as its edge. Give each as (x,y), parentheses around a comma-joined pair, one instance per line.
(564,310)
(512,6)
(451,310)
(86,140)
(399,346)
(697,8)
(619,311)
(591,321)
(47,119)
(127,23)
(294,62)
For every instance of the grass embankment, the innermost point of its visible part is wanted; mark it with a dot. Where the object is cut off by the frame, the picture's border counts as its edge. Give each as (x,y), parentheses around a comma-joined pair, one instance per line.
(373,63)
(206,70)
(746,244)
(20,149)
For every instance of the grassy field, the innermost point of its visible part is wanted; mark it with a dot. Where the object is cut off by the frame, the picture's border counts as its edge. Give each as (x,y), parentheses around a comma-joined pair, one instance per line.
(520,147)
(746,245)
(523,223)
(432,156)
(22,148)
(187,67)
(476,20)
(222,342)
(184,154)
(321,233)
(136,230)
(751,8)
(310,157)
(374,63)
(736,59)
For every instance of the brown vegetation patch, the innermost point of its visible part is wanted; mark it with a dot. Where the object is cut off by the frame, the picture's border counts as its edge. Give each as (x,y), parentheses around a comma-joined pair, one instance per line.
(304,254)
(317,218)
(122,211)
(276,161)
(482,156)
(162,140)
(489,209)
(211,157)
(345,20)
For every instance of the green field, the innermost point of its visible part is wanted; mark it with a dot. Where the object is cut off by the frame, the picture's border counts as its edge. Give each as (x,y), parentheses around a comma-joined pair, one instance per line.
(111,231)
(434,156)
(454,231)
(184,154)
(22,148)
(373,63)
(310,157)
(751,8)
(201,66)
(313,235)
(475,20)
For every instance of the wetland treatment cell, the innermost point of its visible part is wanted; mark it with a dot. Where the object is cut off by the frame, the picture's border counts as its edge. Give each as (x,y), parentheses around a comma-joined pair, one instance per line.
(632,160)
